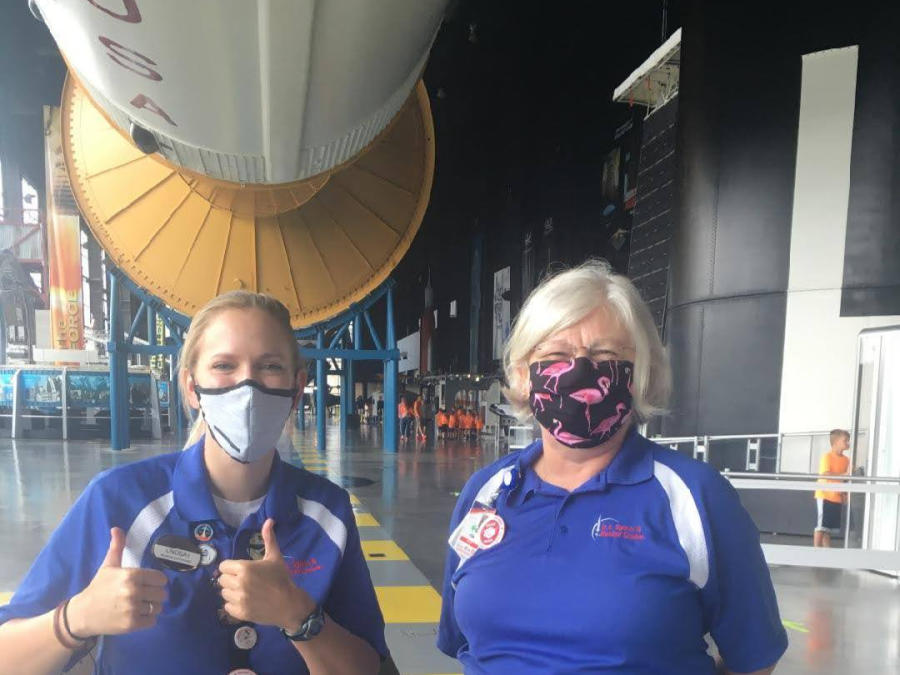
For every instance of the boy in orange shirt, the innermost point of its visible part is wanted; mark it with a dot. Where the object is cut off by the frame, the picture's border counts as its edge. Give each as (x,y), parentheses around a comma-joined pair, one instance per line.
(452,422)
(468,423)
(830,505)
(441,421)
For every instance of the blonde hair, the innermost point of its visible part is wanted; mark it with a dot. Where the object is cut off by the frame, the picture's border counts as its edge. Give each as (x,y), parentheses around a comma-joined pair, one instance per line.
(190,350)
(835,434)
(564,299)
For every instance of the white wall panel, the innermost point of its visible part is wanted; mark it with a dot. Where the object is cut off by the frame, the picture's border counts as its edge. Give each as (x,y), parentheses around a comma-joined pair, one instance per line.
(820,345)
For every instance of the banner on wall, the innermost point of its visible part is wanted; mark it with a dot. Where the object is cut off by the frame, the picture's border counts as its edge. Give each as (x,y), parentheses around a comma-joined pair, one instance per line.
(609,181)
(501,310)
(63,243)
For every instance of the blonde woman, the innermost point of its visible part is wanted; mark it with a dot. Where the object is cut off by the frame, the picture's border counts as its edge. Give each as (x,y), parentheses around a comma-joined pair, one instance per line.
(594,549)
(217,559)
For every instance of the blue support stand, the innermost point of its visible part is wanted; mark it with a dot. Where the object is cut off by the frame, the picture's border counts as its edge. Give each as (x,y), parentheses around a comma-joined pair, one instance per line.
(321,389)
(346,397)
(118,372)
(391,367)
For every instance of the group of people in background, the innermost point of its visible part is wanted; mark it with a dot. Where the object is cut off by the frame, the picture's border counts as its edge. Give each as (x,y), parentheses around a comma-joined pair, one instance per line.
(410,414)
(458,423)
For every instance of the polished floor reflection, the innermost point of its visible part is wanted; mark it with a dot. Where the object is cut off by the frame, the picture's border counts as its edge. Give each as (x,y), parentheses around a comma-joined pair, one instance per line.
(838,621)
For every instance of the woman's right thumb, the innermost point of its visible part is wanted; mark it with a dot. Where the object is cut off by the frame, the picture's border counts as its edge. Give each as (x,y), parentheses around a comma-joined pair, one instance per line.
(116,546)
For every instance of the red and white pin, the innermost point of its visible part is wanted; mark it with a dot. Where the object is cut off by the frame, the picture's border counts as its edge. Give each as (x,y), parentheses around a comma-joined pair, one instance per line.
(491,531)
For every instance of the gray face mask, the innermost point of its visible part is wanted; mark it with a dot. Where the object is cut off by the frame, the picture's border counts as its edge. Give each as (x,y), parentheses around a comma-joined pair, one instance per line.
(247,418)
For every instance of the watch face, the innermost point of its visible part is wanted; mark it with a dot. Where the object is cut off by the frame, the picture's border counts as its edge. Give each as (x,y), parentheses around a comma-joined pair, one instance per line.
(309,628)
(315,626)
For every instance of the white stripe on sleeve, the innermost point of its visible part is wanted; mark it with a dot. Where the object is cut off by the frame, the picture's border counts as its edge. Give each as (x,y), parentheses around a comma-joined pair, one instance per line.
(143,527)
(332,525)
(687,522)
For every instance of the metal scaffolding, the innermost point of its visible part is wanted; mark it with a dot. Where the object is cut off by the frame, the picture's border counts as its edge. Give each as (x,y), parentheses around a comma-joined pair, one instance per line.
(346,341)
(121,345)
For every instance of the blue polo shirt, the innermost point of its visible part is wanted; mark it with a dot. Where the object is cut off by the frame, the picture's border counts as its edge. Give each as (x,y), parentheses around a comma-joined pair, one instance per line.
(625,574)
(170,494)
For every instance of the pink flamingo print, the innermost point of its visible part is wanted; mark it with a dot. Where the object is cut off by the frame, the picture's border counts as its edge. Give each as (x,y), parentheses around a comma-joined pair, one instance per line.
(556,370)
(540,399)
(609,422)
(604,383)
(589,397)
(564,436)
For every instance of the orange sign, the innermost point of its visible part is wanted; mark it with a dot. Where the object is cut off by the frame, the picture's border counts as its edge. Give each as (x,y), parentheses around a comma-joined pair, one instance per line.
(63,243)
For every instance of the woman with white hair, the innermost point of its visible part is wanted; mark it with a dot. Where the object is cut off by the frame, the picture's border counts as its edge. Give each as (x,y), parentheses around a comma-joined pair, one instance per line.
(594,549)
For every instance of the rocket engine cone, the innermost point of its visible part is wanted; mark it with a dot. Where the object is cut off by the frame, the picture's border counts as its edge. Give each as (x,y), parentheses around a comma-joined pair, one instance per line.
(317,244)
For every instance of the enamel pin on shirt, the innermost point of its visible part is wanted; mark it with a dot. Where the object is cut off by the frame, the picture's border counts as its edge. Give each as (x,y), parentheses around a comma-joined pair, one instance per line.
(203,532)
(245,637)
(256,550)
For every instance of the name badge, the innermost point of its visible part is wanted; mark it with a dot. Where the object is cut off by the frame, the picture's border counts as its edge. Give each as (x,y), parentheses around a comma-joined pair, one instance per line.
(480,528)
(177,553)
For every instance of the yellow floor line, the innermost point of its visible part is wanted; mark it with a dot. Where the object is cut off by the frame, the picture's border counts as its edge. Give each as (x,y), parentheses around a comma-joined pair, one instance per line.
(409,604)
(366,520)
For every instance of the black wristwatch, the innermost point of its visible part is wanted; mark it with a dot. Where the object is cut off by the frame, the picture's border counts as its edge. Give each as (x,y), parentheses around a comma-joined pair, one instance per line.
(311,627)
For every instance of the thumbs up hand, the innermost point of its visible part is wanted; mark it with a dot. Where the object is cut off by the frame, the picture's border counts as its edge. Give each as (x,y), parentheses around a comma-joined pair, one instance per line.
(261,591)
(118,600)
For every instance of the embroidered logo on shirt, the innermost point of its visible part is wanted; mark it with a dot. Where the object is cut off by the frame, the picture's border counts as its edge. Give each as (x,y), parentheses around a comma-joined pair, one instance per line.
(296,566)
(610,528)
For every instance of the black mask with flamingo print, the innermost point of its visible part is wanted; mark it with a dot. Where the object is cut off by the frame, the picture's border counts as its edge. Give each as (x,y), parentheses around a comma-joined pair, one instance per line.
(582,403)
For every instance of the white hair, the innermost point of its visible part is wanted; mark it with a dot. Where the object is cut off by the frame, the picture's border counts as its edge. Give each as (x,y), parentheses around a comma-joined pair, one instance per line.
(564,299)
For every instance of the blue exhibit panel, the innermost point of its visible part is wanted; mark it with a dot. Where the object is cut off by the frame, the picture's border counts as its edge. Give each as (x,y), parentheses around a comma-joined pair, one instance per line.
(87,399)
(41,393)
(40,403)
(7,388)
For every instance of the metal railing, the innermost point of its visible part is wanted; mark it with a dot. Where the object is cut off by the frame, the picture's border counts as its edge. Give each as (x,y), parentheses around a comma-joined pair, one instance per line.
(864,557)
(701,446)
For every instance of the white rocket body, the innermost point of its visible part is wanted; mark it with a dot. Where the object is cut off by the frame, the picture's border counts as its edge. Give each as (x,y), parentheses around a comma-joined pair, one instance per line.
(265,91)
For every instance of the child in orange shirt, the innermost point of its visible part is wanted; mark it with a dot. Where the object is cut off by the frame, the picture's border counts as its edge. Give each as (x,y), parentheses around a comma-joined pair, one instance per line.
(830,506)
(441,421)
(452,423)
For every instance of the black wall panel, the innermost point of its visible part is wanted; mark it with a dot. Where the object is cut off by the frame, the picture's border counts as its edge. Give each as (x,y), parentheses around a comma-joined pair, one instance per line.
(726,374)
(871,284)
(737,135)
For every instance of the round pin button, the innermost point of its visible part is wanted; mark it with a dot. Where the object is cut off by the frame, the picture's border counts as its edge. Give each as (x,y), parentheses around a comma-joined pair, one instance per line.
(241,671)
(256,549)
(245,637)
(208,554)
(203,532)
(491,531)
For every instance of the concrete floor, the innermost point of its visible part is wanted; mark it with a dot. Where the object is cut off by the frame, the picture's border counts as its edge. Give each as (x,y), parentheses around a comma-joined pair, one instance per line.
(838,621)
